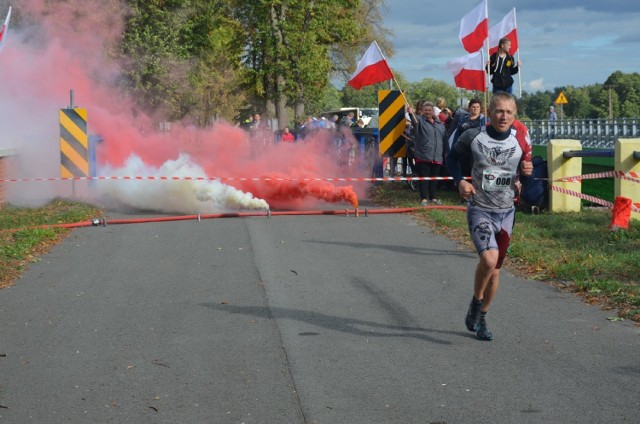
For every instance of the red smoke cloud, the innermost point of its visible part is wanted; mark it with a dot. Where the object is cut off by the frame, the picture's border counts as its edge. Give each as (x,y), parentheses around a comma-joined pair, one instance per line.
(69,49)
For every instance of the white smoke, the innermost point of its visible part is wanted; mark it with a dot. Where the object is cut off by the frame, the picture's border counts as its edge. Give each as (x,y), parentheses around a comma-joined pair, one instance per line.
(181,196)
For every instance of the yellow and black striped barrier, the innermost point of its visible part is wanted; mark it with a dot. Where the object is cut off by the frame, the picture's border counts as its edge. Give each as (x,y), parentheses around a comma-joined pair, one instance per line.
(74,143)
(391,123)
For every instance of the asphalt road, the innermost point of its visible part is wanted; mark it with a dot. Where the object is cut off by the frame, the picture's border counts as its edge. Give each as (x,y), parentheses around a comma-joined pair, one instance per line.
(298,319)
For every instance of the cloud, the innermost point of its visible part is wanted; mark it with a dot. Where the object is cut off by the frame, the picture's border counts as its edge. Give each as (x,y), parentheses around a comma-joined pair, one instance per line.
(536,85)
(561,43)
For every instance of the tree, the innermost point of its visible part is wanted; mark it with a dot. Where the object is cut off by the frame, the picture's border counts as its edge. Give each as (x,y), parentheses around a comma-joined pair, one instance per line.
(431,89)
(157,64)
(368,20)
(293,47)
(322,27)
(579,106)
(287,45)
(365,97)
(536,105)
(625,92)
(331,99)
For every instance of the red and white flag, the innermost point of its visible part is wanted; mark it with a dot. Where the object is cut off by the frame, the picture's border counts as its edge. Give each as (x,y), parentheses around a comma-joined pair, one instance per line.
(505,28)
(474,28)
(372,69)
(468,71)
(5,28)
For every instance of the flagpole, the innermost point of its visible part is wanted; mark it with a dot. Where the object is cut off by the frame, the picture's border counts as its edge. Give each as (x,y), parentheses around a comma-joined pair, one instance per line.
(515,21)
(394,78)
(486,89)
(488,73)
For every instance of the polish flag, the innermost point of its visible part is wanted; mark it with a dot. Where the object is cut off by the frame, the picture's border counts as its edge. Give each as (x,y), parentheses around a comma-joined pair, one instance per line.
(474,28)
(5,29)
(372,69)
(468,71)
(505,28)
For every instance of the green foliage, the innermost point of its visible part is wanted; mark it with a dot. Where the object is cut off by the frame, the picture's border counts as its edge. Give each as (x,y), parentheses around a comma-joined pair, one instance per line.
(365,97)
(430,89)
(535,106)
(330,100)
(620,92)
(205,59)
(151,42)
(183,58)
(580,105)
(288,47)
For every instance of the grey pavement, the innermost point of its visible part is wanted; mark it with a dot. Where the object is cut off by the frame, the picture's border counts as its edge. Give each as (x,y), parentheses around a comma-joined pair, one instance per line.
(298,319)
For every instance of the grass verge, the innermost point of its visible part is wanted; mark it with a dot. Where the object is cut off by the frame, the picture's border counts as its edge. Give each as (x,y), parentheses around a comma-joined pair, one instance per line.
(21,242)
(574,251)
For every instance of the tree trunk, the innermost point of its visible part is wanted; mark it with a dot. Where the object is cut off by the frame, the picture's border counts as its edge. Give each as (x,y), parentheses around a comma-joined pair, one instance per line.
(299,110)
(277,18)
(270,108)
(281,103)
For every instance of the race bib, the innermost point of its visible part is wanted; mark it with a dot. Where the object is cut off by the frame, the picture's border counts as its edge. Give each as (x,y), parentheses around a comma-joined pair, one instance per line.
(496,180)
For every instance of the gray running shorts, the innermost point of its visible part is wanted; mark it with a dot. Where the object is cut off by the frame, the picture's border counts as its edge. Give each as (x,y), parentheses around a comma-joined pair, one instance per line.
(490,229)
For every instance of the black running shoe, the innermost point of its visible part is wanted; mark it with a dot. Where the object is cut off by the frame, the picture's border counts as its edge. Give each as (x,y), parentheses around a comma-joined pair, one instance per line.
(483,332)
(473,315)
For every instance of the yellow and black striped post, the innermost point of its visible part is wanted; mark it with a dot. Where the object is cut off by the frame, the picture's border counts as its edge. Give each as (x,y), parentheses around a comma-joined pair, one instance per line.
(391,123)
(74,143)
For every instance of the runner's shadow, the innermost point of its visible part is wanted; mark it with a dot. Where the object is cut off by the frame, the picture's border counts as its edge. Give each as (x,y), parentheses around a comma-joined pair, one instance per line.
(344,325)
(409,250)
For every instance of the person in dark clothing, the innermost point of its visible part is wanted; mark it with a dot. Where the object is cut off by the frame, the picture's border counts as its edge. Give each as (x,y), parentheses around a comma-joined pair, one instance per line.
(429,149)
(502,67)
(474,119)
(500,152)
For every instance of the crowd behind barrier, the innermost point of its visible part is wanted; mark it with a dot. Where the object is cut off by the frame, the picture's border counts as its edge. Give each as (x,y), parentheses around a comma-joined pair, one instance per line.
(565,196)
(592,133)
(350,141)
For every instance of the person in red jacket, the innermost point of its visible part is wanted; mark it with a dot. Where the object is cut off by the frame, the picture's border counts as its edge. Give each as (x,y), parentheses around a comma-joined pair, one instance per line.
(287,136)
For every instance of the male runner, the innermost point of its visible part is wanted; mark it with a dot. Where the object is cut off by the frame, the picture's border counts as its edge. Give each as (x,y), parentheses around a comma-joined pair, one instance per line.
(497,155)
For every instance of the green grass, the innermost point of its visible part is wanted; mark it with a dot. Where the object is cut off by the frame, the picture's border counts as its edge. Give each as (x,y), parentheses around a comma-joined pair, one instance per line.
(576,251)
(22,237)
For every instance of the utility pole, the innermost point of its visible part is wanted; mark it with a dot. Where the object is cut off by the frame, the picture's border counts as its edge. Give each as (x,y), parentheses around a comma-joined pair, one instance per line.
(610,86)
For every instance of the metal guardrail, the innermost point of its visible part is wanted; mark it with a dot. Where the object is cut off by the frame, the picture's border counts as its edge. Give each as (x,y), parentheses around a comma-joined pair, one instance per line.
(592,133)
(589,154)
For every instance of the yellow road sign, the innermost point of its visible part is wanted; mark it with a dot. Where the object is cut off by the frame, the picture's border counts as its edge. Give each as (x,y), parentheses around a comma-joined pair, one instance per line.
(391,123)
(74,143)
(561,100)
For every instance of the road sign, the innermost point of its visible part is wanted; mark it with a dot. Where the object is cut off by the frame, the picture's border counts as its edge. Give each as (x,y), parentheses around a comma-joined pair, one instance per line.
(561,100)
(74,143)
(391,123)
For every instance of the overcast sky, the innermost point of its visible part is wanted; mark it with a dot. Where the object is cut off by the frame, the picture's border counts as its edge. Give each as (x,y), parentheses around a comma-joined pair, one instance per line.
(562,42)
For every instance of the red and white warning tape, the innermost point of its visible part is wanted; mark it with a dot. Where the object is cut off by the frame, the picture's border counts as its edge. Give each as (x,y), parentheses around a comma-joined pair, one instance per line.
(630,176)
(151,178)
(590,198)
(582,196)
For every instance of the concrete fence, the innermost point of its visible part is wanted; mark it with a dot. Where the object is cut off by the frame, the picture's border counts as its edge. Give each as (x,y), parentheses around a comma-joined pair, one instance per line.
(563,166)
